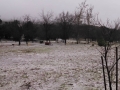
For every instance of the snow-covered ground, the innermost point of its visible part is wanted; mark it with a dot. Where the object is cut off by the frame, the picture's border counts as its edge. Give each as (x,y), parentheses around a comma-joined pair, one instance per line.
(53,67)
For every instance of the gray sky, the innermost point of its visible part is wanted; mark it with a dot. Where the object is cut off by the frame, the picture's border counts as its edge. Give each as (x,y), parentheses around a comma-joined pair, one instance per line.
(15,9)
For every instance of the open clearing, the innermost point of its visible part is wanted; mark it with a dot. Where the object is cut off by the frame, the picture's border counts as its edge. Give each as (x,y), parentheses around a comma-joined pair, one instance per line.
(53,67)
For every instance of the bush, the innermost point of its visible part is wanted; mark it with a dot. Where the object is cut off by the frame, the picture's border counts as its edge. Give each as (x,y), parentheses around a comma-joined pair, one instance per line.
(101,42)
(41,41)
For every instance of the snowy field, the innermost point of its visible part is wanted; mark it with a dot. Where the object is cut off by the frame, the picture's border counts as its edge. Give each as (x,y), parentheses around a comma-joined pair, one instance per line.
(54,67)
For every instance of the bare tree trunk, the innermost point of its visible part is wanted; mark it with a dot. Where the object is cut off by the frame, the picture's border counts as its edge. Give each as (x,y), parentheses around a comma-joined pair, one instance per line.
(65,41)
(27,43)
(19,43)
(103,73)
(77,41)
(108,73)
(116,68)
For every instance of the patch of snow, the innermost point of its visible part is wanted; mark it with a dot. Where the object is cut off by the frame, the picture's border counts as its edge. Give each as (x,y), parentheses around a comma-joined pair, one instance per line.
(56,67)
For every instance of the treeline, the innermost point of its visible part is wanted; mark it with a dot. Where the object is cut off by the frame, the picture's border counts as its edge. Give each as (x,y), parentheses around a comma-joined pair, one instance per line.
(82,24)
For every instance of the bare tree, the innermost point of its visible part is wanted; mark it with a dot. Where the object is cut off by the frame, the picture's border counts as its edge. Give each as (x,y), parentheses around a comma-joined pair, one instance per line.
(26,18)
(79,18)
(0,21)
(17,31)
(65,20)
(47,21)
(108,61)
(1,30)
(89,20)
(29,29)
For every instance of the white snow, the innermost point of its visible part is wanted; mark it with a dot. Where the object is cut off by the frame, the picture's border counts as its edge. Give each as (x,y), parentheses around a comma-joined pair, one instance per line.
(54,67)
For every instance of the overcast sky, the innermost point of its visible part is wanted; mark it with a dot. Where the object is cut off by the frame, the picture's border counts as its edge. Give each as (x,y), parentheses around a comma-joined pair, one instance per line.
(12,9)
